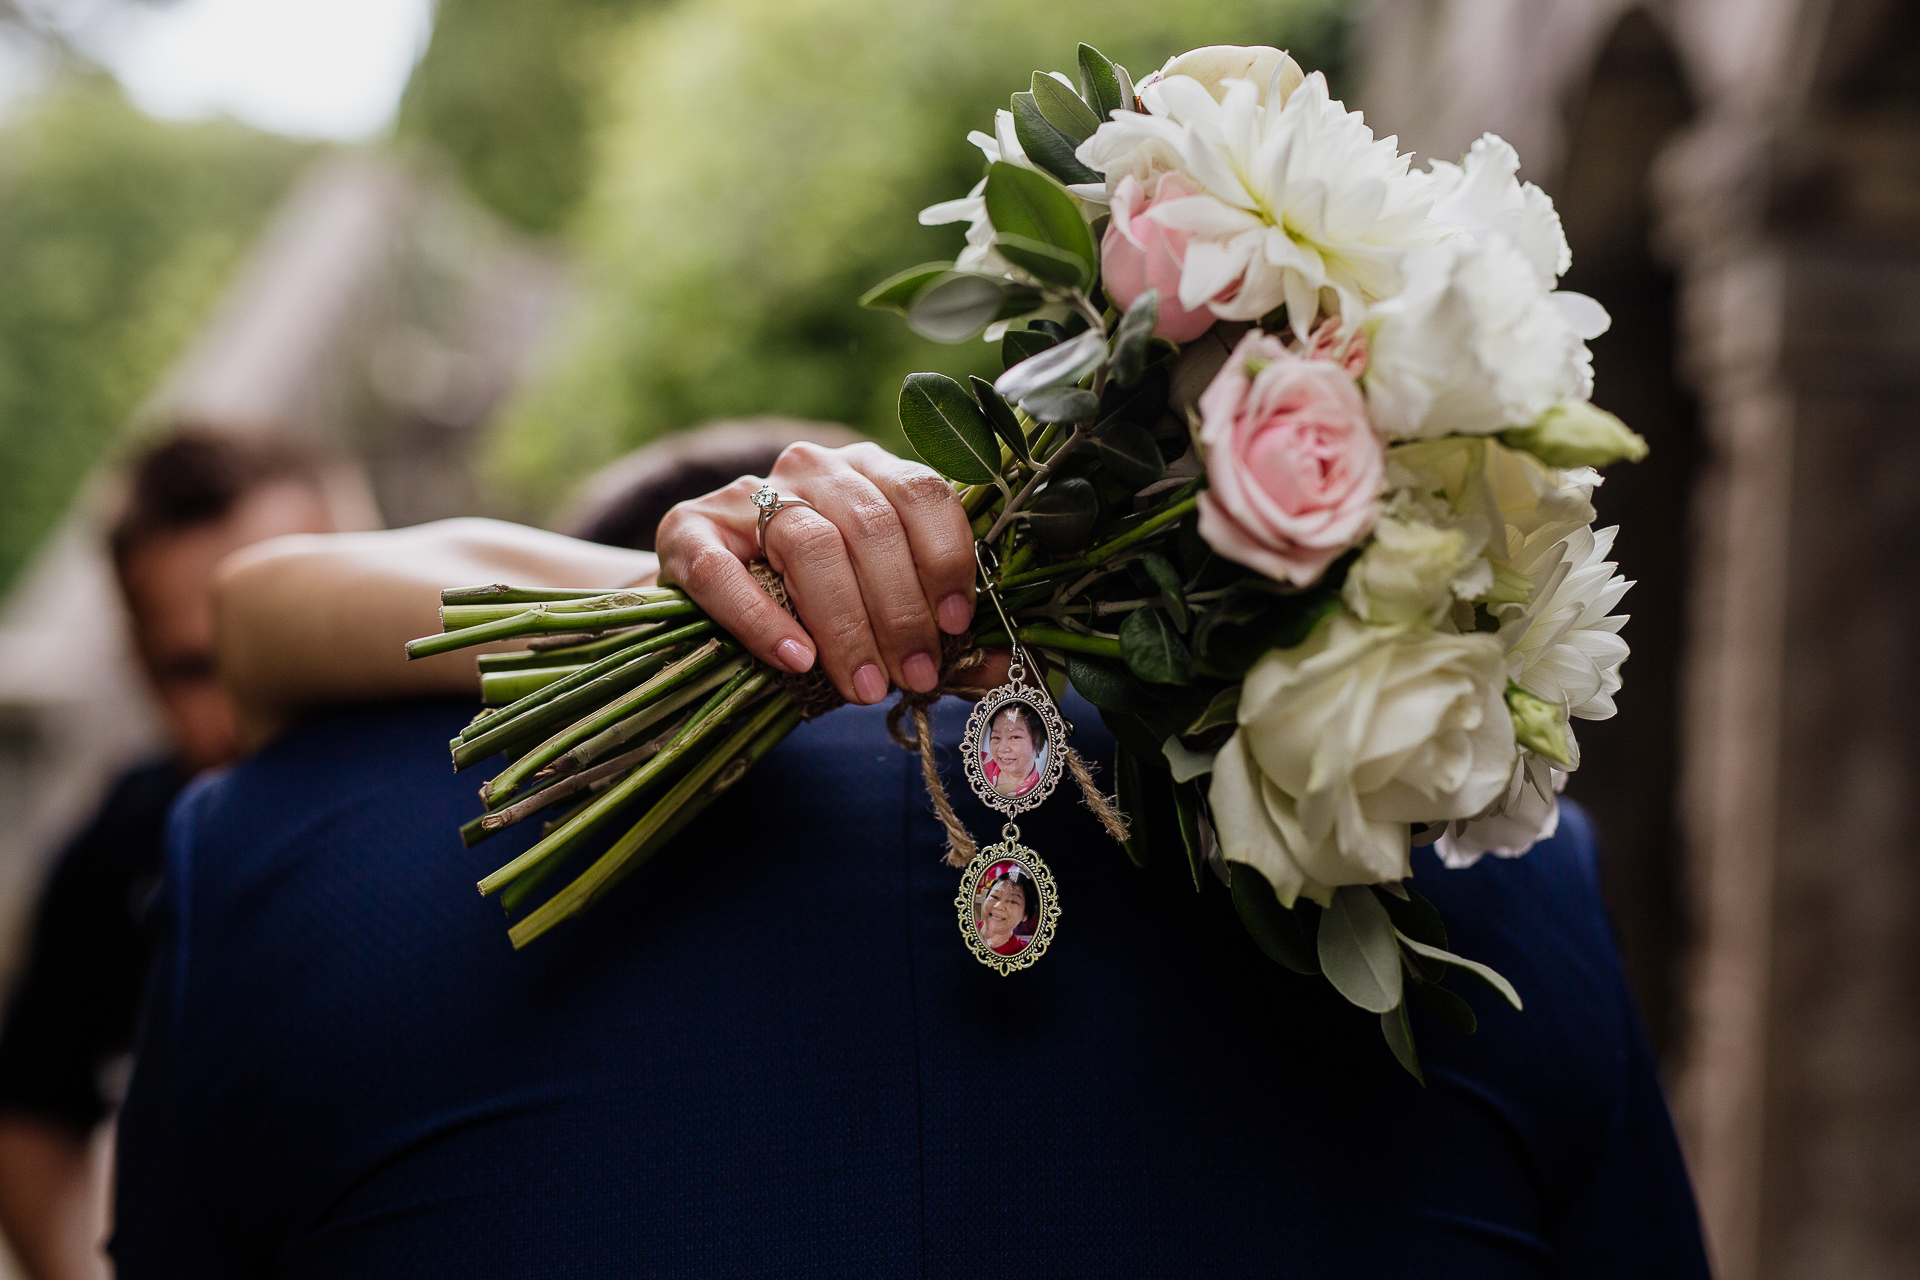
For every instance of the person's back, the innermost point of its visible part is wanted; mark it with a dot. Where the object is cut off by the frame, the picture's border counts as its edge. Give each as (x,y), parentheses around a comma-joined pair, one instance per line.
(770,1052)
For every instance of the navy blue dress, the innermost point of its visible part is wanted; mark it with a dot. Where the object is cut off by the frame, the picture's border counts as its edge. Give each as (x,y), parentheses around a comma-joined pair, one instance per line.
(769,1053)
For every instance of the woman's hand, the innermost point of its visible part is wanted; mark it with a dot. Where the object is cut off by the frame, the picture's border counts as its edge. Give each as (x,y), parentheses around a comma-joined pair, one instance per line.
(881,564)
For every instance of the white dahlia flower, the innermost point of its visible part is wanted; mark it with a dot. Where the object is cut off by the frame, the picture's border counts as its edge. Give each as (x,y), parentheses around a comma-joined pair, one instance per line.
(1525,814)
(1563,642)
(1295,196)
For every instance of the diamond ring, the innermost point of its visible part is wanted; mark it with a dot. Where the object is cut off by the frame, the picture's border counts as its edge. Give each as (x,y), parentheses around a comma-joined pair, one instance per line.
(772,504)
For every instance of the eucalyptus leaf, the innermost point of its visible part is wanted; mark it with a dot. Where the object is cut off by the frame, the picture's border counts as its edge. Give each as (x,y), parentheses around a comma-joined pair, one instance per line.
(1058,366)
(1223,710)
(1023,344)
(1457,1013)
(1021,202)
(1473,967)
(1130,786)
(1061,404)
(1130,454)
(1186,763)
(957,305)
(1044,262)
(1398,1030)
(1063,109)
(1414,916)
(1167,578)
(1098,83)
(1045,145)
(1153,649)
(1285,935)
(1131,336)
(1128,97)
(1357,951)
(1133,732)
(896,292)
(948,430)
(1000,417)
(1062,520)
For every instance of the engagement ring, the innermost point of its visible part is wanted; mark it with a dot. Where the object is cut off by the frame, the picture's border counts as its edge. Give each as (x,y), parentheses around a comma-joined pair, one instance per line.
(771,504)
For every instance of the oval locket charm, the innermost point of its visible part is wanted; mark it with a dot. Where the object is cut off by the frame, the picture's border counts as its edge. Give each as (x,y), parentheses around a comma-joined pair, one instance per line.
(1014,751)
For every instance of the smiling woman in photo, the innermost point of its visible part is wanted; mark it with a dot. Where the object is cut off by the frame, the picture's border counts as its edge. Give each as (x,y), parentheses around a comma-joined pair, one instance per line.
(1016,752)
(1010,900)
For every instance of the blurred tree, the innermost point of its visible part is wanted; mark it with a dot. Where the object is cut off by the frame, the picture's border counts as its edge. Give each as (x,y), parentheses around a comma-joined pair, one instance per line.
(508,88)
(762,166)
(116,235)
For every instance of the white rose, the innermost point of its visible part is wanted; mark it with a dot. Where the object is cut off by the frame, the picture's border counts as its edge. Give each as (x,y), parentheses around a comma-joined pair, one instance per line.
(1472,345)
(1347,740)
(1412,571)
(1484,197)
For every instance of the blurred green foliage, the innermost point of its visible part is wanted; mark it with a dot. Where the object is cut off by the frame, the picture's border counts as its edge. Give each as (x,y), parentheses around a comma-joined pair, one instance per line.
(508,89)
(117,233)
(762,165)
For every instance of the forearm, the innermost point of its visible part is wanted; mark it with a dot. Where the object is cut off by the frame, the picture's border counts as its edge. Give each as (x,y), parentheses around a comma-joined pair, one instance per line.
(320,619)
(51,1200)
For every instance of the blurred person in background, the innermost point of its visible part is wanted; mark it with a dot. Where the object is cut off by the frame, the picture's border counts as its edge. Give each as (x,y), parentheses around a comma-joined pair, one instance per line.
(188,501)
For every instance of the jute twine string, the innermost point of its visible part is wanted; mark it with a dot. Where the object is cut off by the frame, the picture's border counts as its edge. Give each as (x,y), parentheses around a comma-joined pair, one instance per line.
(814,693)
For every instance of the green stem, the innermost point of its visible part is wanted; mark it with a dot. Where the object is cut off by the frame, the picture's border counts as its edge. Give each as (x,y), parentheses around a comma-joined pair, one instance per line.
(540,621)
(1068,641)
(1093,557)
(611,864)
(459,617)
(501,593)
(498,688)
(589,651)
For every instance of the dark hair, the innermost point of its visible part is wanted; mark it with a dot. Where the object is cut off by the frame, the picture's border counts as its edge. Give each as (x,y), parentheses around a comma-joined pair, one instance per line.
(195,477)
(1029,894)
(1027,713)
(623,504)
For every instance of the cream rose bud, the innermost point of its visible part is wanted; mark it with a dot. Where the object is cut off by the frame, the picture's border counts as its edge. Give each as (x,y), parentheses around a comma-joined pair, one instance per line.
(1349,739)
(1576,434)
(1293,464)
(1213,65)
(1406,575)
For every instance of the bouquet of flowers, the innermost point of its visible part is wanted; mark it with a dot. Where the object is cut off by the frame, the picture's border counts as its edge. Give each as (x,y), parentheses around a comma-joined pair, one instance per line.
(1289,473)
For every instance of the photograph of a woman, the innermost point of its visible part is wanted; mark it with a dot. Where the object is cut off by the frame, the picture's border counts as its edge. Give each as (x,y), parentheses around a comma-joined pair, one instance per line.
(1007,912)
(1014,755)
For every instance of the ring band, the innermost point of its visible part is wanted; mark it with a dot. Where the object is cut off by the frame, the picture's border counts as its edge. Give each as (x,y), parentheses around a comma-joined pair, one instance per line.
(772,504)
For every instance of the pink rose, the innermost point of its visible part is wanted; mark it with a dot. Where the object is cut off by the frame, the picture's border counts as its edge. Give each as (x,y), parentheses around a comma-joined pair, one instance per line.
(1293,464)
(1138,254)
(1348,349)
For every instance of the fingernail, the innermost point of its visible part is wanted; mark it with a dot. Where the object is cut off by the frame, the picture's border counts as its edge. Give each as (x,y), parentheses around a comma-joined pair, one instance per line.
(869,684)
(921,673)
(793,655)
(955,613)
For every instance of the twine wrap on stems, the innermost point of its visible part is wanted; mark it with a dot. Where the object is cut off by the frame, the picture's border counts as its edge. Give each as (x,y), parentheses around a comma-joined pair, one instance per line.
(813,692)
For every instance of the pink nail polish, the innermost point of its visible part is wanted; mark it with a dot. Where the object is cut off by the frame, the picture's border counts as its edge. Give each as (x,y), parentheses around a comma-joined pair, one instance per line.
(793,655)
(869,684)
(955,614)
(921,672)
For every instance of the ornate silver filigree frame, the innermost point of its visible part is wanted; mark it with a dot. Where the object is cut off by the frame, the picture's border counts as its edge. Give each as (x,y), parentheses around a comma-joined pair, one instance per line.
(1008,851)
(977,725)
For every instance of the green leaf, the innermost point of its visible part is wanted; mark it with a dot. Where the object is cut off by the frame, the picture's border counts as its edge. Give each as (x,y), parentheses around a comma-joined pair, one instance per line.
(1024,344)
(1021,202)
(1456,1012)
(1000,417)
(1130,454)
(1099,85)
(1223,710)
(1057,366)
(1045,145)
(1416,917)
(1062,520)
(958,305)
(897,291)
(1167,578)
(1186,799)
(1131,336)
(1395,1026)
(1063,109)
(1357,951)
(1286,936)
(1473,967)
(1061,404)
(1153,649)
(1129,785)
(1105,685)
(948,430)
(1044,262)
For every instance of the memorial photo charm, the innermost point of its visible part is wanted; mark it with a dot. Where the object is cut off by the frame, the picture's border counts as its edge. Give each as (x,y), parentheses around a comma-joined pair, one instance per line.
(1012,748)
(1007,904)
